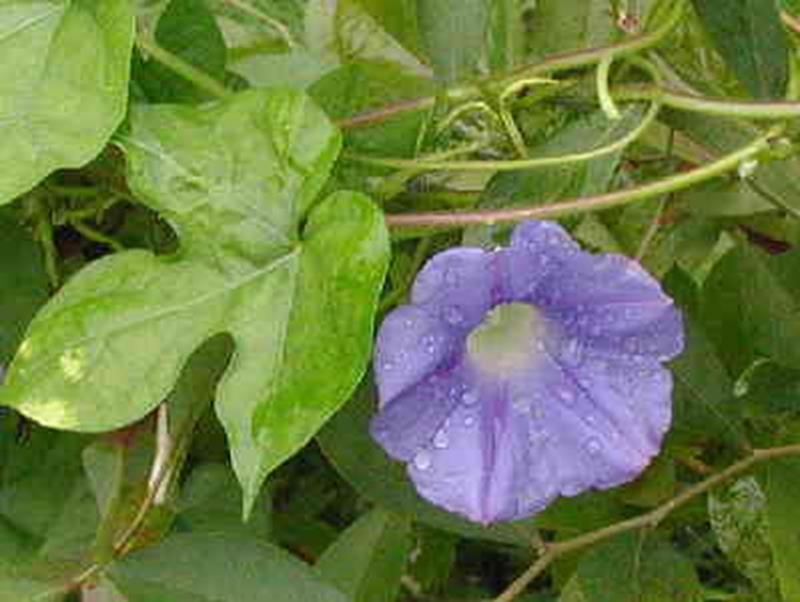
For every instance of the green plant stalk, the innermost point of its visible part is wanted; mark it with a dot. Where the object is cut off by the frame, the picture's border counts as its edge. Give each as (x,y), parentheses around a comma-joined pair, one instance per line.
(550,65)
(514,164)
(587,204)
(179,66)
(648,520)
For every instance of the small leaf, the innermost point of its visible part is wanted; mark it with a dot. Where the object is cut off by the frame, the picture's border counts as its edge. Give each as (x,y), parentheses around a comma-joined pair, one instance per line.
(454,34)
(23,283)
(738,517)
(188,30)
(63,84)
(560,26)
(750,306)
(630,568)
(783,497)
(367,561)
(236,180)
(750,37)
(221,567)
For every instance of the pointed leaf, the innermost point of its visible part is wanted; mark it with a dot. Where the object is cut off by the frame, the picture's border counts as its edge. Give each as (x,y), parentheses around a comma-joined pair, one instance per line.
(367,561)
(63,84)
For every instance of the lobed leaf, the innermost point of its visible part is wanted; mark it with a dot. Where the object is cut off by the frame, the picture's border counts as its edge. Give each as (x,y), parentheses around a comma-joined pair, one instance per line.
(236,180)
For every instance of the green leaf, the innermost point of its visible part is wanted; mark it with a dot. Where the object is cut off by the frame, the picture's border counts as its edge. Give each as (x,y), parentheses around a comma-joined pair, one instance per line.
(222,568)
(738,516)
(367,561)
(236,180)
(454,34)
(363,85)
(188,30)
(346,443)
(560,26)
(750,37)
(211,503)
(341,31)
(629,568)
(750,306)
(783,496)
(63,84)
(703,390)
(23,283)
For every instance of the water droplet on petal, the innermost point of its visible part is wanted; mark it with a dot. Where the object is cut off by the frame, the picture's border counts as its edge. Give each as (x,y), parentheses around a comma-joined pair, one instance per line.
(469,398)
(387,366)
(422,461)
(469,420)
(592,446)
(452,315)
(441,440)
(572,353)
(565,395)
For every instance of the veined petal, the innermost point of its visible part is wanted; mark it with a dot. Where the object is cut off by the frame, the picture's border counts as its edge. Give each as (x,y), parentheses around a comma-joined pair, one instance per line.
(457,287)
(409,422)
(411,344)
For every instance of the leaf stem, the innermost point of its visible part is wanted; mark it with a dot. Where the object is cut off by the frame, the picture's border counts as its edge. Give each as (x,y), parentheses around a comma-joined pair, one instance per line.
(648,520)
(176,64)
(586,204)
(513,164)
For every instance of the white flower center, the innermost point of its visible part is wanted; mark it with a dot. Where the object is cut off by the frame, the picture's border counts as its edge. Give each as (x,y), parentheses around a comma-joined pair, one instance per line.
(506,341)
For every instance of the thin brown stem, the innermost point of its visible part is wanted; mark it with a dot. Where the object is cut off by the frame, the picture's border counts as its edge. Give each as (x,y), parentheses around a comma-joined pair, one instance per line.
(647,520)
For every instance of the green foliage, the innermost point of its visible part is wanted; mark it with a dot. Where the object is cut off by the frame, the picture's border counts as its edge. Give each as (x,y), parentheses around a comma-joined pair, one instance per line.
(367,561)
(63,85)
(228,568)
(751,39)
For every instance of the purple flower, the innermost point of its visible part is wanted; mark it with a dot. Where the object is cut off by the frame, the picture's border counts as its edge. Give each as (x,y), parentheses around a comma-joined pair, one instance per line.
(525,373)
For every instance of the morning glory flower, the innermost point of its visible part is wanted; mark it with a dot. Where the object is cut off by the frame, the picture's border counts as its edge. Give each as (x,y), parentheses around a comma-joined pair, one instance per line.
(526,373)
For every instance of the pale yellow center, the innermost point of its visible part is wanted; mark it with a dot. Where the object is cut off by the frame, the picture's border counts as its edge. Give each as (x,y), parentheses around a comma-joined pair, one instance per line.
(506,340)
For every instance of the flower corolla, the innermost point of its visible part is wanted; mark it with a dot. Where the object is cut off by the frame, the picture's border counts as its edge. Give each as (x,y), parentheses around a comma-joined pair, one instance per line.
(526,373)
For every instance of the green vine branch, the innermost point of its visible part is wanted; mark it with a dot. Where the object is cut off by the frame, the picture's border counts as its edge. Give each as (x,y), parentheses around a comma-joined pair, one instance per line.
(649,520)
(580,205)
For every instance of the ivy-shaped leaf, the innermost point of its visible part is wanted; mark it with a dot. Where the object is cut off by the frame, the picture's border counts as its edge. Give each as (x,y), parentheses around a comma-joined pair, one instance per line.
(63,84)
(236,180)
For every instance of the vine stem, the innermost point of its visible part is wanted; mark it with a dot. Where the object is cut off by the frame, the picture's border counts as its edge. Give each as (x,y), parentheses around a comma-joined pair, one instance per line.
(586,204)
(648,520)
(549,65)
(278,27)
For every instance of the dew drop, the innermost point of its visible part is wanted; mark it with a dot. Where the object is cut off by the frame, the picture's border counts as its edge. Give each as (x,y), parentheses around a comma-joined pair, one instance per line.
(453,316)
(572,353)
(451,277)
(469,420)
(387,366)
(422,461)
(592,446)
(441,440)
(571,488)
(566,395)
(469,398)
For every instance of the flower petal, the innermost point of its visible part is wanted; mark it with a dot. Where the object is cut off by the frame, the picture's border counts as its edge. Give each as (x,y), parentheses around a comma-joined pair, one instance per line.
(408,422)
(457,286)
(610,302)
(410,345)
